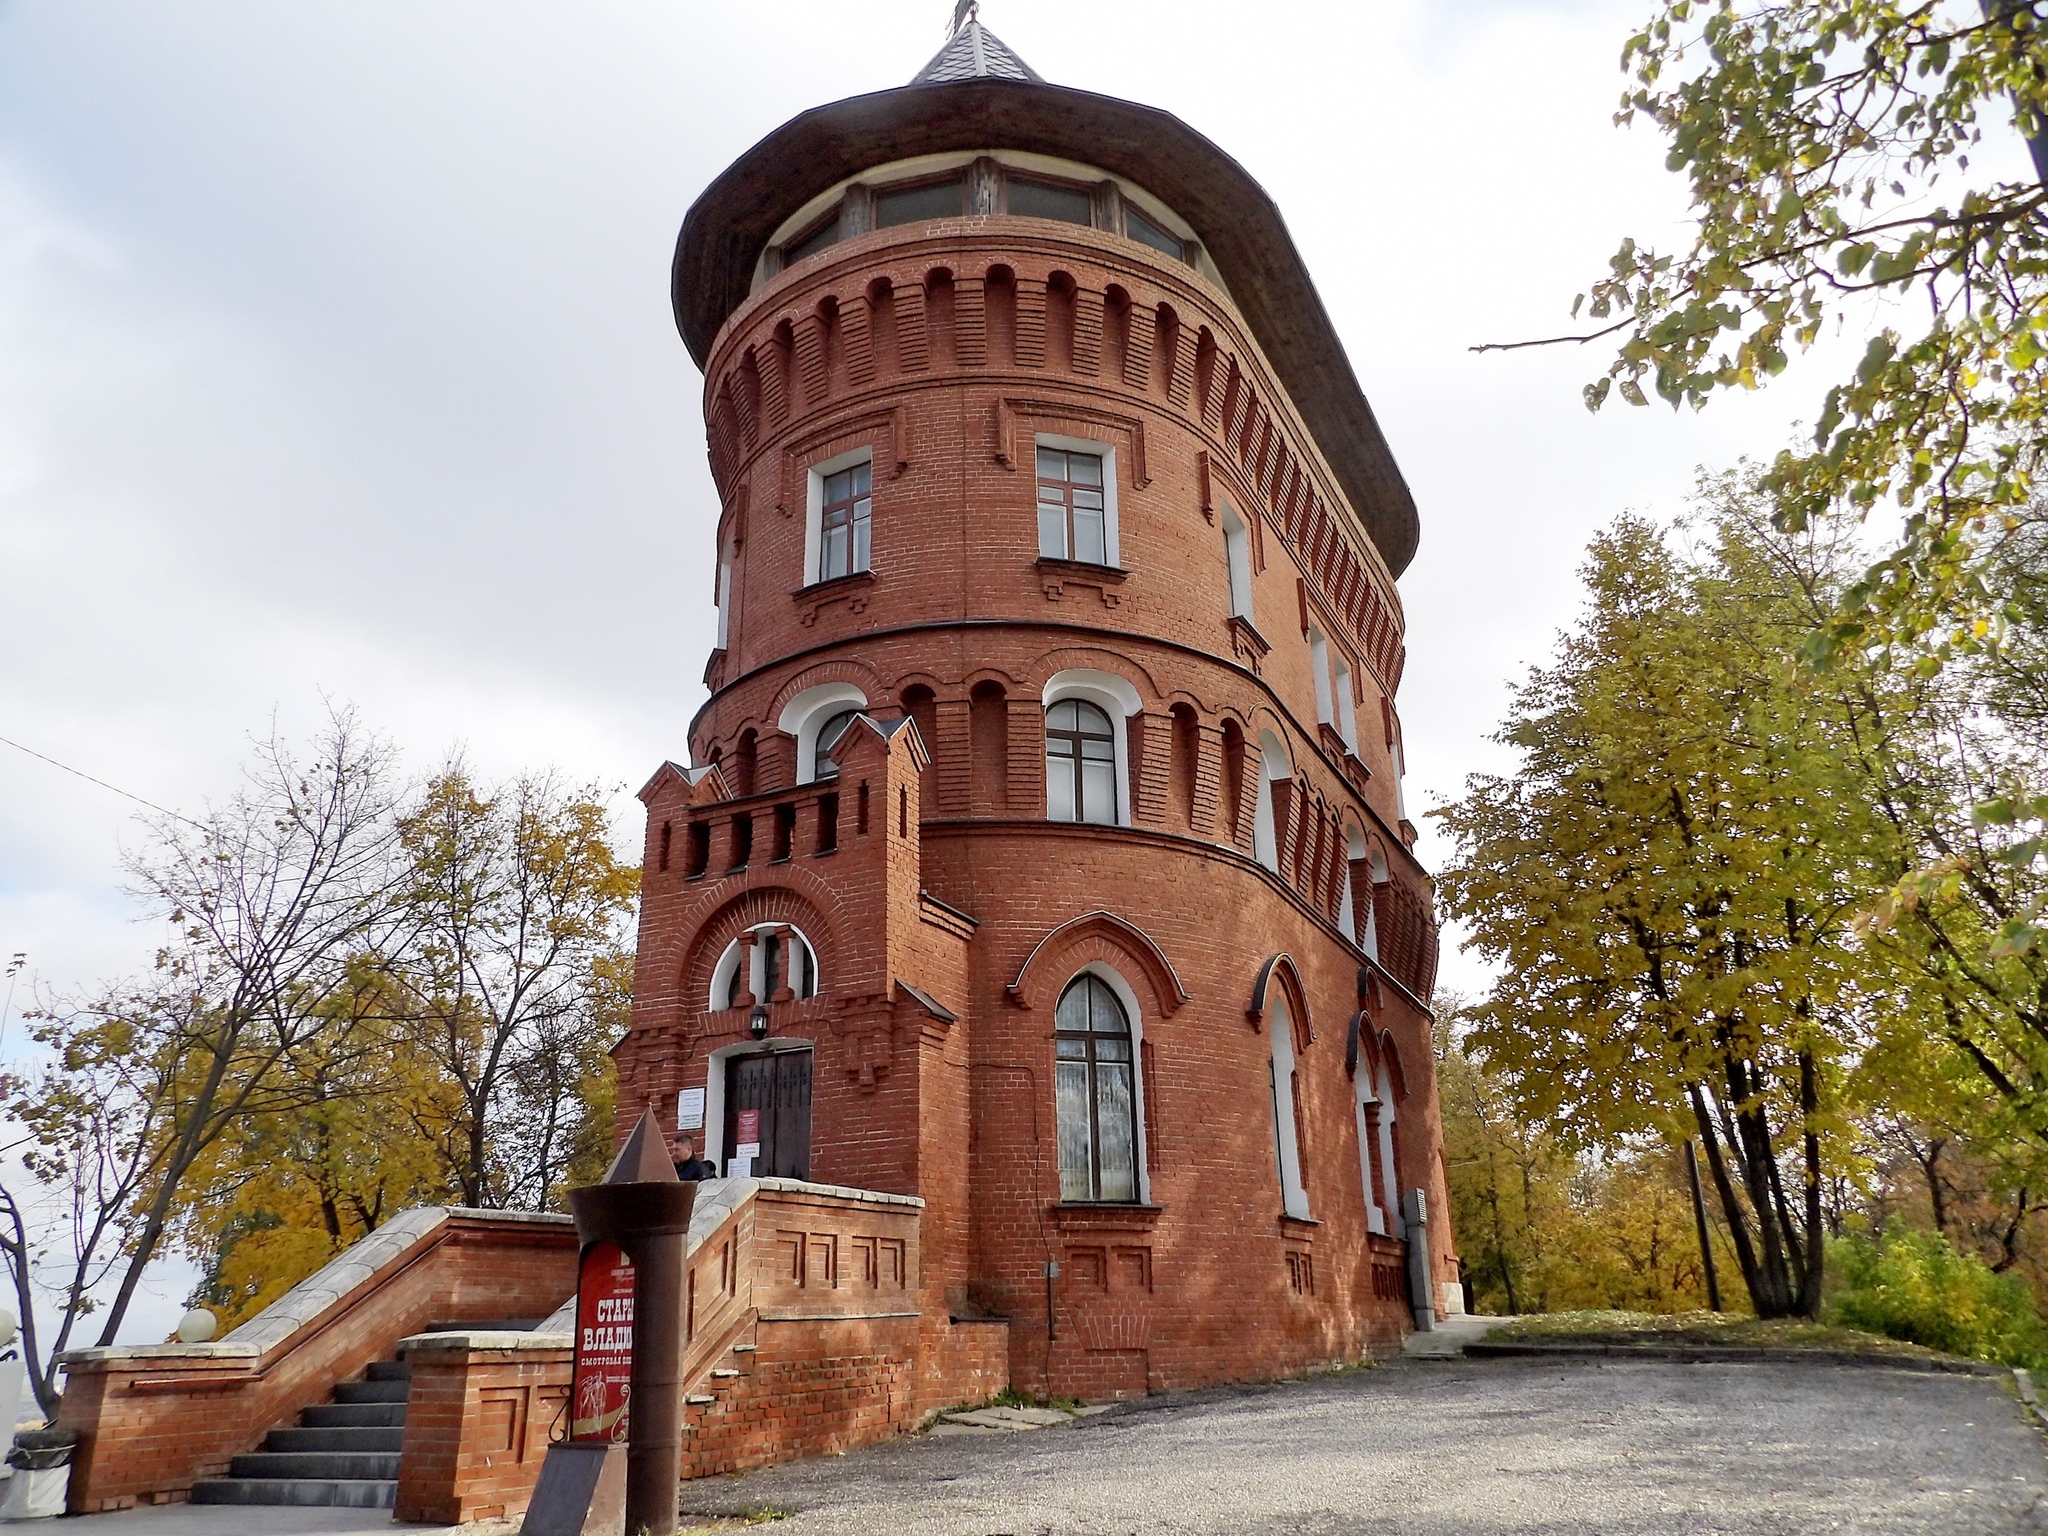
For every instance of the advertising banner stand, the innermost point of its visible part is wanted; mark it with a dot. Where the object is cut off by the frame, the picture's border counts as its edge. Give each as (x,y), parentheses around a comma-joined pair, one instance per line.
(618,1472)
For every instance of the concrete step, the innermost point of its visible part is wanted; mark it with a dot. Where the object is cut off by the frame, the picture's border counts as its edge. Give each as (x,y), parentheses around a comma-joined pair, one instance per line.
(371,1391)
(345,1415)
(354,1440)
(388,1370)
(342,1493)
(316,1464)
(488,1325)
(724,1373)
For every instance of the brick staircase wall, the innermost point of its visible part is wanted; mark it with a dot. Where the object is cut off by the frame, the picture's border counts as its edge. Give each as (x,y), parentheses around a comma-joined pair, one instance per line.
(805,1336)
(153,1419)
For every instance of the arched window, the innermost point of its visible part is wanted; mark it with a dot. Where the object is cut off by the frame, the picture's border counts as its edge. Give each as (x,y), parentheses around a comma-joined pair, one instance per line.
(1369,1109)
(1273,766)
(1390,1177)
(1286,1110)
(807,717)
(829,734)
(1080,763)
(1094,1093)
(769,963)
(1350,898)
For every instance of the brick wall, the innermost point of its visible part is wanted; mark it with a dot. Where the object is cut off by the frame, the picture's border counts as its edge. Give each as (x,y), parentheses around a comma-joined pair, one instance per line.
(477,1424)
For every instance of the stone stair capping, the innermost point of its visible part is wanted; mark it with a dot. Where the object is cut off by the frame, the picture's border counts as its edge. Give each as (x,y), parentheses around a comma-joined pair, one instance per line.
(154,1420)
(343,1454)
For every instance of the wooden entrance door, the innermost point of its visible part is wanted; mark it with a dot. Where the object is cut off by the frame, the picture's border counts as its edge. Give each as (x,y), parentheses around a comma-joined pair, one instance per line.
(769,1096)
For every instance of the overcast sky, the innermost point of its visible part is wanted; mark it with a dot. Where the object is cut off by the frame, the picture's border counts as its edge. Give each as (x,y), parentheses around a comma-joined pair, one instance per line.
(336,359)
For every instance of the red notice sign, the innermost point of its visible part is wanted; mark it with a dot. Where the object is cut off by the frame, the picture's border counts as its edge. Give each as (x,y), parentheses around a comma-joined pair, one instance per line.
(604,1344)
(748,1132)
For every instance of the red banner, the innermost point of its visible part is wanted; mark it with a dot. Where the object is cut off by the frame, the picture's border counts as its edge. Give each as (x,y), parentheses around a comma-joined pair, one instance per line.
(604,1344)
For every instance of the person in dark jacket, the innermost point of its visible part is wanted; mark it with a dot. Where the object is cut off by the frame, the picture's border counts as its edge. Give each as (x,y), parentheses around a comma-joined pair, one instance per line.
(689,1166)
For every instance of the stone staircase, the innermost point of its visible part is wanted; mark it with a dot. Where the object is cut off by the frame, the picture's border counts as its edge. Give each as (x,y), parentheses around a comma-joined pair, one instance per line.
(343,1453)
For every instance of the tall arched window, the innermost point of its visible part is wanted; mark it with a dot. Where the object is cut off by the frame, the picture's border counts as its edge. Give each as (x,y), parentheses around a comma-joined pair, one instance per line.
(1096,1100)
(1080,763)
(1273,766)
(1350,896)
(1286,1111)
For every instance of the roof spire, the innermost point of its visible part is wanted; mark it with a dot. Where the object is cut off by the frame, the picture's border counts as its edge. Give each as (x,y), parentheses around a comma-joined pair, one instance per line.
(972,52)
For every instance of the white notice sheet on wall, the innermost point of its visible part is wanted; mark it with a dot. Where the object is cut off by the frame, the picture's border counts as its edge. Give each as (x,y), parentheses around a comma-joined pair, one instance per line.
(690,1110)
(739,1168)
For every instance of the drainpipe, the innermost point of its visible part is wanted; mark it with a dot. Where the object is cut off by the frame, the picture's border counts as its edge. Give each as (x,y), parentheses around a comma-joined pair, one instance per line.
(1421,1288)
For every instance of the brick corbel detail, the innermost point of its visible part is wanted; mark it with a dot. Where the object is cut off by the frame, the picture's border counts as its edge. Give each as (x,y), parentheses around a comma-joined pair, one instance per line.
(866,1030)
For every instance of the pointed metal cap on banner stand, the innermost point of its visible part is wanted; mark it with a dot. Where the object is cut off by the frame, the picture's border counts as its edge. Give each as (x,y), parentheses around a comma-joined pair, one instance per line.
(644,1158)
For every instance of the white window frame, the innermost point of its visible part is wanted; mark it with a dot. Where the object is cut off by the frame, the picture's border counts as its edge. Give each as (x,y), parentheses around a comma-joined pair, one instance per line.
(1369,939)
(1319,661)
(757,961)
(1347,903)
(727,557)
(1112,547)
(1293,1191)
(1273,766)
(1118,698)
(803,715)
(1389,1175)
(1113,979)
(1364,1099)
(1237,558)
(814,511)
(1347,707)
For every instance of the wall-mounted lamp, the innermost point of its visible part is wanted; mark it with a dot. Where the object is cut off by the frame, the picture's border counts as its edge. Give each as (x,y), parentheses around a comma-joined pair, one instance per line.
(757,1026)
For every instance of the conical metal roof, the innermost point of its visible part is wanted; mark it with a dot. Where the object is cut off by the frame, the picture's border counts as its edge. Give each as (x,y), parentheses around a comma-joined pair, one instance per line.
(975,53)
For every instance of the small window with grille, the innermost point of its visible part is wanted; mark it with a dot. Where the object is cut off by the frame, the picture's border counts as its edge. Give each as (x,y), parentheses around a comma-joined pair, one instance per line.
(1072,514)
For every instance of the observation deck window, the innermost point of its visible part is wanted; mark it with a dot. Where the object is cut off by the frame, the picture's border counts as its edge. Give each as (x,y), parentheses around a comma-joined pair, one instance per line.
(1145,232)
(1043,200)
(816,240)
(925,200)
(986,187)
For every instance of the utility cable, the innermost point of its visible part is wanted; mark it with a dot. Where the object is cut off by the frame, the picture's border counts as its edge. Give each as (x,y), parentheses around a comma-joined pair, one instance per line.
(103,784)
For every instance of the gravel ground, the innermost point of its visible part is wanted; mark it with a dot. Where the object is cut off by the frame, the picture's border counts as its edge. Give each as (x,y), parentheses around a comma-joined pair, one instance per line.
(1428,1449)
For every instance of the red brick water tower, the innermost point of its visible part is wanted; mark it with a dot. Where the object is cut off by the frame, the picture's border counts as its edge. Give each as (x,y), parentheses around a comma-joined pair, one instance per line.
(1042,852)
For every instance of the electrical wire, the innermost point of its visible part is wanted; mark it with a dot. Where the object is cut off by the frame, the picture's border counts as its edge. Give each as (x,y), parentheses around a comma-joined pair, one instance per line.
(103,784)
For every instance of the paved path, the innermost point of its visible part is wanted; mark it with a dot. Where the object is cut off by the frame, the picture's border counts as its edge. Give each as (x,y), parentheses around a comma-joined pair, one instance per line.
(249,1520)
(1429,1448)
